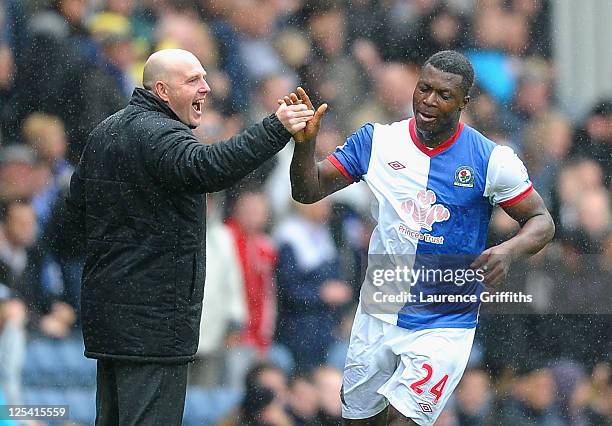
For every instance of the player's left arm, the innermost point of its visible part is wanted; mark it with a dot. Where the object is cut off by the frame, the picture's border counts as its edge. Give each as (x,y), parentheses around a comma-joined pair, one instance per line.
(508,186)
(537,229)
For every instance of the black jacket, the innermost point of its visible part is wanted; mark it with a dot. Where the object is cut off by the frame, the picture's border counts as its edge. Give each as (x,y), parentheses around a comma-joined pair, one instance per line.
(137,200)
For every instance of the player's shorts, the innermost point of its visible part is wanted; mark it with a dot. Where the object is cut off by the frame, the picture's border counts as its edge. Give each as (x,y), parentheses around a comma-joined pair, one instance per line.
(414,371)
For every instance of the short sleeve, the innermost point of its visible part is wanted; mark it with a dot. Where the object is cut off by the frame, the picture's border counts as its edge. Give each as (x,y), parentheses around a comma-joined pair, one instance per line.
(353,158)
(507,178)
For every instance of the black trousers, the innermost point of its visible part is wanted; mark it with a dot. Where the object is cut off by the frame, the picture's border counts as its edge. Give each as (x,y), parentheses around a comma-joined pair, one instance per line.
(142,394)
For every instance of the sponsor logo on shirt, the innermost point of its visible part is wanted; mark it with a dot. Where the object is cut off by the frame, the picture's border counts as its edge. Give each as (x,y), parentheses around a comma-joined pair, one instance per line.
(424,212)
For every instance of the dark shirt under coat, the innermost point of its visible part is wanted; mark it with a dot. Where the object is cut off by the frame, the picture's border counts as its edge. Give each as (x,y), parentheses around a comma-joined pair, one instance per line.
(137,198)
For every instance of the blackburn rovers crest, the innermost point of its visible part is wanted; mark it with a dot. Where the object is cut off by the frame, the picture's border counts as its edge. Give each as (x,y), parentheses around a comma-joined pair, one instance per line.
(464,176)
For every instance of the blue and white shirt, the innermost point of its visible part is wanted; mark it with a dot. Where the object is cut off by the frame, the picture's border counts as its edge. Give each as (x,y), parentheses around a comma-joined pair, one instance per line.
(433,205)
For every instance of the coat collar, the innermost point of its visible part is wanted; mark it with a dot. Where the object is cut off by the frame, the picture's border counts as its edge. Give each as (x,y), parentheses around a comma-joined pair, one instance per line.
(147,100)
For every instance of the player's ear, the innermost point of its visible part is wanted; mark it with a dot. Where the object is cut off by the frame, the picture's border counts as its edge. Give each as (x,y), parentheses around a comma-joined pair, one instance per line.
(464,101)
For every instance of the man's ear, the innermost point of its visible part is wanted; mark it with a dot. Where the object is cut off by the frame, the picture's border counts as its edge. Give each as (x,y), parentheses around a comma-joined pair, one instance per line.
(465,101)
(161,90)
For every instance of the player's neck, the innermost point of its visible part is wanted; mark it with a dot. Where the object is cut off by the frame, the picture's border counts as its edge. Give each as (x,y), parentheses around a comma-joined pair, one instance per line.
(432,140)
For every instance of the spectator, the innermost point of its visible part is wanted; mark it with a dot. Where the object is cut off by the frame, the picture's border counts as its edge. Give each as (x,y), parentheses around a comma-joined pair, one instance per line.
(264,102)
(257,262)
(46,136)
(328,382)
(331,73)
(399,39)
(264,399)
(18,257)
(594,137)
(270,89)
(224,305)
(116,62)
(17,164)
(258,408)
(7,75)
(254,22)
(485,113)
(17,235)
(532,97)
(61,46)
(303,400)
(473,399)
(442,28)
(394,84)
(492,64)
(547,141)
(13,20)
(580,176)
(591,399)
(13,317)
(310,288)
(531,401)
(595,218)
(271,377)
(537,14)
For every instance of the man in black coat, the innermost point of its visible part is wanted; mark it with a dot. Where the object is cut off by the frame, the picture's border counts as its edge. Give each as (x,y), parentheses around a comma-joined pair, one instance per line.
(137,200)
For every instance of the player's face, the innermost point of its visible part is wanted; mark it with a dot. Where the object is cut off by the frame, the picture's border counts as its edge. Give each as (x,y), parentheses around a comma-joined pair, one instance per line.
(186,92)
(437,100)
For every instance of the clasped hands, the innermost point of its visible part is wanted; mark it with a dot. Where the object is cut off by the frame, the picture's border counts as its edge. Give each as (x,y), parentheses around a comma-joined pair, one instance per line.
(299,116)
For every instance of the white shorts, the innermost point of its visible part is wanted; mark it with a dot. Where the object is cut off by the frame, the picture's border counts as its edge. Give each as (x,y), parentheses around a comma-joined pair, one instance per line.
(414,371)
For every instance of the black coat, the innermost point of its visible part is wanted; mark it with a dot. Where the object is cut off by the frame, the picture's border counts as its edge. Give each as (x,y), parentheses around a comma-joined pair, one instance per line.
(137,200)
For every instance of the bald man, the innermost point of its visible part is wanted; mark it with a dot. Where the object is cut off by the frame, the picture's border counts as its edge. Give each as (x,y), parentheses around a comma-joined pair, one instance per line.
(137,202)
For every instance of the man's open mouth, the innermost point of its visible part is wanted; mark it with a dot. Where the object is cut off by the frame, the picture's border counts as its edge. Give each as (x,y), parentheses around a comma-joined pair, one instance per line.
(197,105)
(428,118)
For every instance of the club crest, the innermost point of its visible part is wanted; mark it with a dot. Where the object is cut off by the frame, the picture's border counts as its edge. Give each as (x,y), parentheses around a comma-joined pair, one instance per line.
(464,176)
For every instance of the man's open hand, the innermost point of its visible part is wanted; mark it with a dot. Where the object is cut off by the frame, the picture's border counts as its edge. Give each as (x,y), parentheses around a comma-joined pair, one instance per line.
(311,128)
(294,116)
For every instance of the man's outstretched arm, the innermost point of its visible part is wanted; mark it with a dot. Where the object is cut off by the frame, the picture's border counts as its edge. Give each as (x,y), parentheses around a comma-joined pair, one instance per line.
(311,180)
(179,161)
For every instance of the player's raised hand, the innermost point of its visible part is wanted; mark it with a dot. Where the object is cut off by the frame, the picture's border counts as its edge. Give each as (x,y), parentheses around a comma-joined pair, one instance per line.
(311,129)
(294,116)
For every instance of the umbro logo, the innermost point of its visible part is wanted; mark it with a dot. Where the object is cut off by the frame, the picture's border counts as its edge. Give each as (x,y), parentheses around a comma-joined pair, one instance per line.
(426,408)
(396,165)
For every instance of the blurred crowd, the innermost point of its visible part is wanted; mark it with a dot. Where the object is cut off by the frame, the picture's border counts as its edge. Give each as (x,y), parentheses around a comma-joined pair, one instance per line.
(283,278)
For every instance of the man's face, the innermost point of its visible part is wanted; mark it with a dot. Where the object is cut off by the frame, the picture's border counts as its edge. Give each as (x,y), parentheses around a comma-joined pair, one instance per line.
(20,226)
(437,100)
(185,91)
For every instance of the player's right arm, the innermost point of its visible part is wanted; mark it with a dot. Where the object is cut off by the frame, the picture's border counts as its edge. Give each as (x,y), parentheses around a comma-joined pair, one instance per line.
(313,180)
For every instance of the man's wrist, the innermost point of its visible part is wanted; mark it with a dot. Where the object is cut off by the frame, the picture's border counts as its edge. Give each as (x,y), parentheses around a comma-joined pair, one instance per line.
(278,127)
(306,146)
(508,248)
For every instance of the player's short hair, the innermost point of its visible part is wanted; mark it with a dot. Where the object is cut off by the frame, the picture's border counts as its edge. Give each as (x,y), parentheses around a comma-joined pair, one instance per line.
(455,63)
